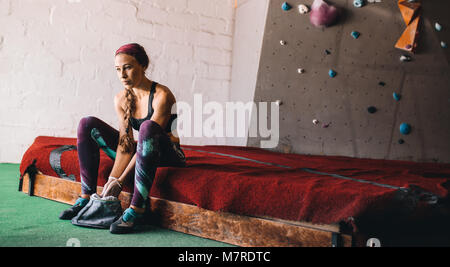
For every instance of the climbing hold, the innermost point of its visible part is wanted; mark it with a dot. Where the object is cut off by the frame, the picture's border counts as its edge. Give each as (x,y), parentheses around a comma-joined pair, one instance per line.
(315,121)
(443,44)
(300,70)
(358,3)
(372,109)
(355,34)
(326,125)
(405,128)
(396,96)
(279,102)
(285,6)
(381,83)
(303,9)
(411,14)
(332,73)
(322,14)
(438,27)
(327,52)
(405,58)
(401,141)
(282,42)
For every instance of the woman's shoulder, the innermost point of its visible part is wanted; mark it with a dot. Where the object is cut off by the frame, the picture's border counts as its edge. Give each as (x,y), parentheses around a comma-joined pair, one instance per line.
(119,98)
(164,94)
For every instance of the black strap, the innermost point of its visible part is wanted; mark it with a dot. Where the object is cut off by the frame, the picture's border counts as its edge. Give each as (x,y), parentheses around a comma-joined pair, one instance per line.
(136,123)
(335,240)
(55,161)
(150,100)
(32,171)
(153,88)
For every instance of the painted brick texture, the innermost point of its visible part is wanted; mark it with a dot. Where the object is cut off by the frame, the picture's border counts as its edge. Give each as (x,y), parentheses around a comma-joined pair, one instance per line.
(56,60)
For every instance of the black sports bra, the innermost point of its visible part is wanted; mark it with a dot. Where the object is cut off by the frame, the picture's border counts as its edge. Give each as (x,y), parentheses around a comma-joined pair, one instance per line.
(136,123)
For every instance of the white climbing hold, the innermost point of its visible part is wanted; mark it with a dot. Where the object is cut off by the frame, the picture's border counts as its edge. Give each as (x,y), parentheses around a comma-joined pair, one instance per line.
(438,27)
(405,58)
(282,42)
(279,102)
(300,70)
(303,9)
(315,121)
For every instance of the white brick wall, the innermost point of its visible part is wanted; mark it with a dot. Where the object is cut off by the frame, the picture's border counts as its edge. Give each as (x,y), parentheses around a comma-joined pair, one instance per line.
(56,60)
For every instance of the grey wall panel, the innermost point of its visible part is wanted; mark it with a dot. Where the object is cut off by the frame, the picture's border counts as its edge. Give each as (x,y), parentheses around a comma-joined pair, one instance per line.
(425,106)
(361,64)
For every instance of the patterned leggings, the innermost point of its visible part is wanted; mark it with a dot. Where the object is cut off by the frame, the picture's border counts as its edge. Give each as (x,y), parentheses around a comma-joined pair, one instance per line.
(154,149)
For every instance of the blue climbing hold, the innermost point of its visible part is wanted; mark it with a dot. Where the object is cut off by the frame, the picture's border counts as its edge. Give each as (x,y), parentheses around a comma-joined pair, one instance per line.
(332,73)
(358,3)
(405,128)
(285,6)
(396,96)
(355,34)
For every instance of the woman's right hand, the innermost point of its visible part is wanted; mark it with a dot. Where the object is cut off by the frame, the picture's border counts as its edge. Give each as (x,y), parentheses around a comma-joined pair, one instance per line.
(112,188)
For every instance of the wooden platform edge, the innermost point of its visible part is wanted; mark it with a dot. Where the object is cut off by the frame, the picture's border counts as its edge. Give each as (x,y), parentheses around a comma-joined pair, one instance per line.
(226,227)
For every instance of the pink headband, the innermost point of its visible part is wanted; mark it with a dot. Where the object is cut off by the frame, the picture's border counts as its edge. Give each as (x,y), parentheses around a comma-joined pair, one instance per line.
(136,51)
(129,49)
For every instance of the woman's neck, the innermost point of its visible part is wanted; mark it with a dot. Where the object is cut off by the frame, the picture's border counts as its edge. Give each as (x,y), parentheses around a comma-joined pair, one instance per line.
(141,90)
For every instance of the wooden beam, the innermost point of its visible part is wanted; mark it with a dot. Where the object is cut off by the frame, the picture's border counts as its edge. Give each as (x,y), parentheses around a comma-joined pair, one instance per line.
(221,226)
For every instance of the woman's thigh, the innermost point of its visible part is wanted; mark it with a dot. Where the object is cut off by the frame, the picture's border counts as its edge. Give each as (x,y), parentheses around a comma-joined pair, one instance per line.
(172,155)
(102,133)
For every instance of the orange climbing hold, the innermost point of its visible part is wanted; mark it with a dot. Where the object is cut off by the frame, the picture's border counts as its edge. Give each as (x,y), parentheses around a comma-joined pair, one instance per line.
(409,10)
(408,40)
(411,16)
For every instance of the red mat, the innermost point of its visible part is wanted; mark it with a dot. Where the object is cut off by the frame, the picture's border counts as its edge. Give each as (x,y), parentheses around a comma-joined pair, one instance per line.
(256,182)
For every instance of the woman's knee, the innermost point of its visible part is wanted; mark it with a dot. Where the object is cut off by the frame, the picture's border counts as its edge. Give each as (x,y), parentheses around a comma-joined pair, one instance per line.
(86,125)
(150,128)
(148,145)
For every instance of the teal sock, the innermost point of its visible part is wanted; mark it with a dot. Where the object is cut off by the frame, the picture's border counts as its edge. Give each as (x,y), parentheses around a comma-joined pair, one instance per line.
(81,202)
(130,214)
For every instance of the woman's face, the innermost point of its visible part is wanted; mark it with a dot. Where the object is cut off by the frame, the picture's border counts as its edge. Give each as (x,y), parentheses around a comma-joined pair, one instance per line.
(129,71)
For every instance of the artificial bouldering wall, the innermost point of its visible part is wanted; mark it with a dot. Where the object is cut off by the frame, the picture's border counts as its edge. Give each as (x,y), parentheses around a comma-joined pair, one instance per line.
(368,72)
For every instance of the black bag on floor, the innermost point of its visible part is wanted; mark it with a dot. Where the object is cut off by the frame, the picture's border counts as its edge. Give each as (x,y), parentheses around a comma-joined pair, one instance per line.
(99,212)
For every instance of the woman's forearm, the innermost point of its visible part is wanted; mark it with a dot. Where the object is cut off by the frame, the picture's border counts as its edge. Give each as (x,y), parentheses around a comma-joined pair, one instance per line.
(120,162)
(129,170)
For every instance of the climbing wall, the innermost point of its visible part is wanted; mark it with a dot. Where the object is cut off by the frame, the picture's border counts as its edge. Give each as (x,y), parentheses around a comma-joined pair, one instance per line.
(368,71)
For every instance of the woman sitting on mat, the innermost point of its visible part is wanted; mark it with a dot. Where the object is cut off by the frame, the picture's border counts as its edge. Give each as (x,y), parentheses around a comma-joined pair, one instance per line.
(156,146)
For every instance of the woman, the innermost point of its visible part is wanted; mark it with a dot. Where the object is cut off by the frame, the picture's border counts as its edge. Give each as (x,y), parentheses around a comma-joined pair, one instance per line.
(145,106)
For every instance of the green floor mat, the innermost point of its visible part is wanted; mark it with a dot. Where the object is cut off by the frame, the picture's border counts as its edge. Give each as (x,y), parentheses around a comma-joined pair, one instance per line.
(33,221)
